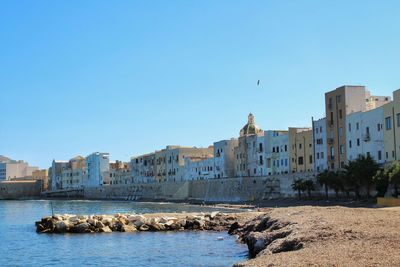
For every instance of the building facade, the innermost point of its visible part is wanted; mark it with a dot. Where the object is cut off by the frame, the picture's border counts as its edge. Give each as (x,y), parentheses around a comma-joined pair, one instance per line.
(245,154)
(160,165)
(276,152)
(338,104)
(13,169)
(224,158)
(391,120)
(142,168)
(365,135)
(96,164)
(320,148)
(301,149)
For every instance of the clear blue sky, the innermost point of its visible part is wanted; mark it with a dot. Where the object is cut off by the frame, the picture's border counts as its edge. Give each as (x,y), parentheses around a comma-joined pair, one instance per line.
(130,77)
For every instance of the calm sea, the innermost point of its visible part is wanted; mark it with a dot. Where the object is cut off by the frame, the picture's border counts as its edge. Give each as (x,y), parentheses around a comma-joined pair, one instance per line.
(20,245)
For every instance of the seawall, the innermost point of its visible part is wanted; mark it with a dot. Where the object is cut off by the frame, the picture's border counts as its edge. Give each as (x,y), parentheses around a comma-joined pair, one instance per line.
(20,189)
(212,190)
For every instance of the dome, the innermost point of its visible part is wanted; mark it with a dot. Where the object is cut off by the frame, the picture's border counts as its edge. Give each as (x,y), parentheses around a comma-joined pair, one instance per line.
(250,128)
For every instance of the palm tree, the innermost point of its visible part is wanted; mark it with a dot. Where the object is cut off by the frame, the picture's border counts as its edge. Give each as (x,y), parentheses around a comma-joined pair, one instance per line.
(309,186)
(298,185)
(323,178)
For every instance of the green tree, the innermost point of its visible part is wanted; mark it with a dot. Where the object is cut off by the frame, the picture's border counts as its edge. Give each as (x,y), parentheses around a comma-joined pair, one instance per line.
(336,182)
(393,172)
(360,172)
(381,180)
(298,185)
(309,186)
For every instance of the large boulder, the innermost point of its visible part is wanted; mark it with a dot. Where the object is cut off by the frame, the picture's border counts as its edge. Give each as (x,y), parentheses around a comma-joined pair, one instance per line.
(61,227)
(105,229)
(81,228)
(129,228)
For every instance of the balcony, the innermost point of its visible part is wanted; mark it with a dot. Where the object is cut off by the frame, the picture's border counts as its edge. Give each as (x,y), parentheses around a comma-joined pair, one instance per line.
(330,140)
(330,123)
(367,138)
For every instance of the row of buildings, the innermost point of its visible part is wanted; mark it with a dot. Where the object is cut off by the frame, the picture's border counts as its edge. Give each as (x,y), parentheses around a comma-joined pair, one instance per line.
(356,123)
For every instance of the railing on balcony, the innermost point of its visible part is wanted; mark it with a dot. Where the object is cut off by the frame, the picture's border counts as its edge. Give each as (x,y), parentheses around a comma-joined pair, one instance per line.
(367,138)
(330,140)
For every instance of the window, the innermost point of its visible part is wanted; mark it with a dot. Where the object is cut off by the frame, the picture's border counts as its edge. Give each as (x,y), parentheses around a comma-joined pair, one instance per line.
(350,143)
(330,102)
(310,159)
(277,163)
(340,113)
(300,160)
(317,155)
(261,147)
(285,148)
(349,127)
(320,129)
(273,150)
(387,155)
(331,134)
(300,146)
(398,119)
(310,144)
(340,131)
(392,153)
(331,122)
(341,150)
(339,98)
(357,126)
(332,152)
(286,162)
(322,155)
(358,141)
(378,127)
(388,123)
(316,130)
(281,162)
(367,130)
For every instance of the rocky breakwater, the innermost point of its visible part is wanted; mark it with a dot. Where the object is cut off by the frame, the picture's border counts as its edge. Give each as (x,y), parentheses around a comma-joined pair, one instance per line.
(135,222)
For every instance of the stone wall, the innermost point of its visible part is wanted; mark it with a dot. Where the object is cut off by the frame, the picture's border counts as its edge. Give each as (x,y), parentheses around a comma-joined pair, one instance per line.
(20,189)
(227,189)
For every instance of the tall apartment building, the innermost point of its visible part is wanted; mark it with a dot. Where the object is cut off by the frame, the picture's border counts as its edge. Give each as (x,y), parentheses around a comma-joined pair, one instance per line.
(338,104)
(119,173)
(96,165)
(301,149)
(245,154)
(276,153)
(364,135)
(391,117)
(320,146)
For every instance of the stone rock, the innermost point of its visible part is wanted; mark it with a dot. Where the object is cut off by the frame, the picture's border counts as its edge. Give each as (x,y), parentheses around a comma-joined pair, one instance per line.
(139,223)
(129,228)
(61,227)
(81,228)
(105,229)
(214,214)
(136,218)
(144,227)
(57,217)
(99,224)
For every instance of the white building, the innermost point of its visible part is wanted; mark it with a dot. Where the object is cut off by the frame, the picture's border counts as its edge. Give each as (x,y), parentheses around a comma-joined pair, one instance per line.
(97,164)
(224,158)
(199,169)
(365,135)
(277,153)
(320,146)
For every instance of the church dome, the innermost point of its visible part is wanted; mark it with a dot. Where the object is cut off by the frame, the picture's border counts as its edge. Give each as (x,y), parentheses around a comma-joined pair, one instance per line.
(250,128)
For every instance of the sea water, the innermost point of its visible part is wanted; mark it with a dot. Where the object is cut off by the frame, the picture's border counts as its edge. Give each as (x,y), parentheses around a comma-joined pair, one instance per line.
(20,245)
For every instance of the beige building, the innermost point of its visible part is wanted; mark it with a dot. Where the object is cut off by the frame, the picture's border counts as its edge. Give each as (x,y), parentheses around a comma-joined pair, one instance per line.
(118,173)
(245,154)
(391,119)
(161,166)
(42,175)
(301,149)
(338,104)
(74,174)
(12,169)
